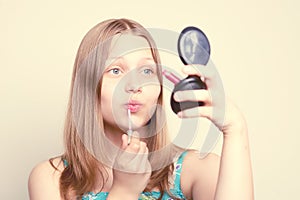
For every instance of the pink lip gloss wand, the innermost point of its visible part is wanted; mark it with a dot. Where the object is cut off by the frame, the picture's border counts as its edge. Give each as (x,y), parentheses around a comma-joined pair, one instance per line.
(129,132)
(170,76)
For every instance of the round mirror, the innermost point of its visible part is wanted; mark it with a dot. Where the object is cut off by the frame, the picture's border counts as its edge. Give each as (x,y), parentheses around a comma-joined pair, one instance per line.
(193,46)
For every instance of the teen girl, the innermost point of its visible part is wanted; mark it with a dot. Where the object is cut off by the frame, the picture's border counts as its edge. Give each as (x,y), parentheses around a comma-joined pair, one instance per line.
(116,142)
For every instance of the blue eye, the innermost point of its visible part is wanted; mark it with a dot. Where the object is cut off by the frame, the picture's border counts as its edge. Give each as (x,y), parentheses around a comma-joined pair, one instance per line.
(115,71)
(148,71)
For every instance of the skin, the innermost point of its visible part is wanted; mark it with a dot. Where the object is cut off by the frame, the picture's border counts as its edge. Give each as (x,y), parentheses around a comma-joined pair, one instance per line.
(234,174)
(213,177)
(127,78)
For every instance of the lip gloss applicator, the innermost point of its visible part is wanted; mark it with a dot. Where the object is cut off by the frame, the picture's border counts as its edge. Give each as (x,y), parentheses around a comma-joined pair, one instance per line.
(129,131)
(170,76)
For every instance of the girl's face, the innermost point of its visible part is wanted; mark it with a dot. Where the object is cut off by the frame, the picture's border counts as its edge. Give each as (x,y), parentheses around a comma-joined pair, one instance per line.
(129,81)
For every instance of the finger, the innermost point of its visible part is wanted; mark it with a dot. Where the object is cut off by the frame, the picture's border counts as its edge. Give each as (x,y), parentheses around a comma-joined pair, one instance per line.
(193,95)
(143,148)
(200,111)
(199,70)
(124,141)
(134,145)
(208,74)
(131,149)
(216,116)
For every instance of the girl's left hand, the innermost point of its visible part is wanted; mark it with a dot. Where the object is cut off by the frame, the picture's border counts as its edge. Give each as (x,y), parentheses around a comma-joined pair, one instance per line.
(217,108)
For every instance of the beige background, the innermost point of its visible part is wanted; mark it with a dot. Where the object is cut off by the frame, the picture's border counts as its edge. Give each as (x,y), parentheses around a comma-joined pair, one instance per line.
(255,46)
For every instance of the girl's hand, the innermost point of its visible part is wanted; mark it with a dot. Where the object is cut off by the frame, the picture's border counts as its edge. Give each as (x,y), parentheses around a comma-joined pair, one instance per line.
(233,173)
(132,168)
(217,108)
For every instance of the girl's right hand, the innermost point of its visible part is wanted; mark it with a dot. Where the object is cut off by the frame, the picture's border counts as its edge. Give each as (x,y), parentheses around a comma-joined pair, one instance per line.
(132,168)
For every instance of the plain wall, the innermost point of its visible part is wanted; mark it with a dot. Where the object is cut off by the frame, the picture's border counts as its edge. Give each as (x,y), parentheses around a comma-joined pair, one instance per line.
(255,47)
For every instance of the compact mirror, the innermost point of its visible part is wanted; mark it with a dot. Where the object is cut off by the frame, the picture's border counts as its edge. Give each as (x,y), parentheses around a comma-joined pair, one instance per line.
(193,48)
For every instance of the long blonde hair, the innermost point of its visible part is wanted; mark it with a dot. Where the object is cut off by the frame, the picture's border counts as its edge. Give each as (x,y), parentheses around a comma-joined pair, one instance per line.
(83,133)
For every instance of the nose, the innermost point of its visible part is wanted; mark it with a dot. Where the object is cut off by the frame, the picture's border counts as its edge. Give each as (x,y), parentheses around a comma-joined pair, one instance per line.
(133,88)
(133,84)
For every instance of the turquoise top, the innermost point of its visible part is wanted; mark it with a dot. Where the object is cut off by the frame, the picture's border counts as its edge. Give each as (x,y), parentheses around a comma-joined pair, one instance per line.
(176,190)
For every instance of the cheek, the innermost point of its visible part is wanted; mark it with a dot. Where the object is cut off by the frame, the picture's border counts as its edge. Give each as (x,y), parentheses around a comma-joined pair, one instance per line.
(111,101)
(106,99)
(108,89)
(153,92)
(105,105)
(105,96)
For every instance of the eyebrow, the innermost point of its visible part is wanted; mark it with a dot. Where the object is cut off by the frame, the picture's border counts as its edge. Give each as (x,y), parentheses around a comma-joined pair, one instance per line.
(111,60)
(148,58)
(114,58)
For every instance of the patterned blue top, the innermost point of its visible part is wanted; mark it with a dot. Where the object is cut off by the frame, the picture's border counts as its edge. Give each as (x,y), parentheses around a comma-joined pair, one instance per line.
(176,190)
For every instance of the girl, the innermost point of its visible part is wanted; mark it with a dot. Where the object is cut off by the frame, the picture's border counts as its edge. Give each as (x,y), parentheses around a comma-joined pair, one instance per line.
(115,136)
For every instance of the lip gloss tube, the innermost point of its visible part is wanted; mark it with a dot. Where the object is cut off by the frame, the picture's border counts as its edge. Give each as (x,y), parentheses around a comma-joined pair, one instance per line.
(170,76)
(129,132)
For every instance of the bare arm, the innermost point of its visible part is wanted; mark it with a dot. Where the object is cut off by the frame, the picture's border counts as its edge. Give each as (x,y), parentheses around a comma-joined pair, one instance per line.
(234,180)
(235,177)
(225,177)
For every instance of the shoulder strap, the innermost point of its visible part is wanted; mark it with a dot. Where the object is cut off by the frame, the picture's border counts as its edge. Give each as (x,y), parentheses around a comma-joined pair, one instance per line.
(178,169)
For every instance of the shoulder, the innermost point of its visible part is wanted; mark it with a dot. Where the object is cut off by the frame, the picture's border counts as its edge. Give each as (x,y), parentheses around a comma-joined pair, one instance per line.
(195,161)
(200,174)
(43,182)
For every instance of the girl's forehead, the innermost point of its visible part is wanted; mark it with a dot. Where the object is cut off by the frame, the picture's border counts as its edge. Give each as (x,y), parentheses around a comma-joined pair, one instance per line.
(123,44)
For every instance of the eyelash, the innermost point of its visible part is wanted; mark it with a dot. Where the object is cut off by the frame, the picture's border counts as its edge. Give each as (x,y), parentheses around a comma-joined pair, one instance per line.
(113,69)
(149,70)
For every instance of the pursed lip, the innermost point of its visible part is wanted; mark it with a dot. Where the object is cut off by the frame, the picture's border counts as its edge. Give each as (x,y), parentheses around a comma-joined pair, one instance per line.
(133,106)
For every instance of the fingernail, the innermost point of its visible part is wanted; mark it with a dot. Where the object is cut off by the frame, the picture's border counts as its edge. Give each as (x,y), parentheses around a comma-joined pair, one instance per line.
(177,96)
(179,114)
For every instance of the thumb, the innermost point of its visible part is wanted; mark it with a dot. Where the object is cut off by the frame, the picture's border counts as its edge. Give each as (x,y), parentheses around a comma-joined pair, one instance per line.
(124,141)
